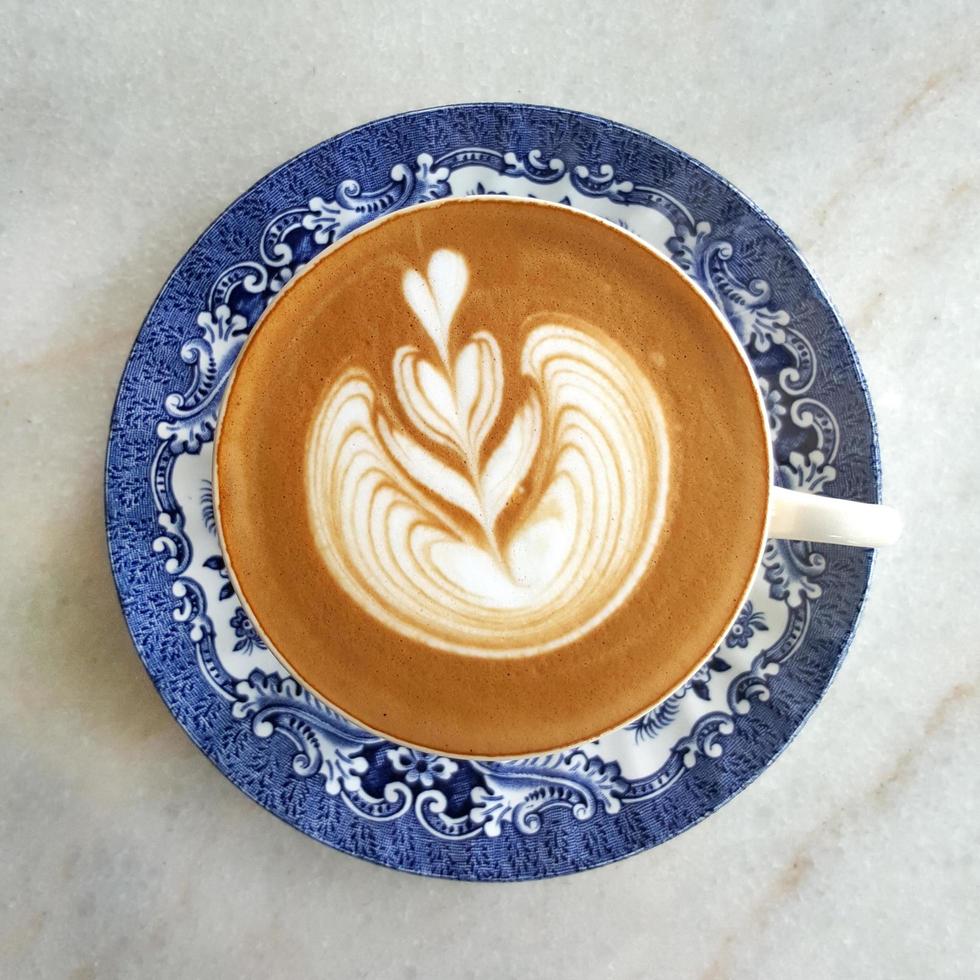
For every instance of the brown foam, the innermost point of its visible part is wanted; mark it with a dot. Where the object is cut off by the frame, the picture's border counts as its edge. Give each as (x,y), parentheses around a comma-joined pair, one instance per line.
(348,311)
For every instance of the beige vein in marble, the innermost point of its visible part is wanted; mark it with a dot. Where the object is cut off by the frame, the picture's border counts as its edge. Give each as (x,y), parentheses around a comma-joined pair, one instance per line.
(876,799)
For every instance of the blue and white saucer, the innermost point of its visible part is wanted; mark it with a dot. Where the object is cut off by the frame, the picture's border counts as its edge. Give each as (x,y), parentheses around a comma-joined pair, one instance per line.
(396,806)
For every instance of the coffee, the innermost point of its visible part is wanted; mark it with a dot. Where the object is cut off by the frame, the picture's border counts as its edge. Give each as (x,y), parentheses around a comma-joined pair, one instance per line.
(491,477)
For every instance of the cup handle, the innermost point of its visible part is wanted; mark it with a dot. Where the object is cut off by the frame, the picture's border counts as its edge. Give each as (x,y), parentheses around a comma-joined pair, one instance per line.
(800,516)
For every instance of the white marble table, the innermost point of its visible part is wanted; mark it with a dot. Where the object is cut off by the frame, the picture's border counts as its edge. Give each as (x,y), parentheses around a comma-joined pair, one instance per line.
(124,128)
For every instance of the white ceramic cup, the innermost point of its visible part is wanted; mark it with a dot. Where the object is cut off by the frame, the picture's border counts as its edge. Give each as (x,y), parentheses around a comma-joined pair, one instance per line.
(790,514)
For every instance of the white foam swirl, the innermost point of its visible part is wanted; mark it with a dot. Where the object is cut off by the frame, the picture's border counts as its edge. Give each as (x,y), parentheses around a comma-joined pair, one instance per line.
(410,530)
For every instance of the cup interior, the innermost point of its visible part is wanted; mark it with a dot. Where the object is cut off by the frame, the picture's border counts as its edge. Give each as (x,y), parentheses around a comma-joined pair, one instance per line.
(707,312)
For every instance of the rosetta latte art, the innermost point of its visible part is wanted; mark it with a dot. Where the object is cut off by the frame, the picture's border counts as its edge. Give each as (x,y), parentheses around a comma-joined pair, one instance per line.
(414,539)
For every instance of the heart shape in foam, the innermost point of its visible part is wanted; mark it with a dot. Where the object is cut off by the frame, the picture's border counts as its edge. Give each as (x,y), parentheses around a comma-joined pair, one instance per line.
(415,540)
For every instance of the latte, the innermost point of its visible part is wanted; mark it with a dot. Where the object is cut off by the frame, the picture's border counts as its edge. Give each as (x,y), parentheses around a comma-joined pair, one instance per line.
(491,478)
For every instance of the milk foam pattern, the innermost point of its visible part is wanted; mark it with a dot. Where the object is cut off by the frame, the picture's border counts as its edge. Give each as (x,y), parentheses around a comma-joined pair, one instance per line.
(415,540)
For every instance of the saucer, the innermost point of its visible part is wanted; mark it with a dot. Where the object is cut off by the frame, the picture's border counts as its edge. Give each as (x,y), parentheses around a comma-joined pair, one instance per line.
(396,806)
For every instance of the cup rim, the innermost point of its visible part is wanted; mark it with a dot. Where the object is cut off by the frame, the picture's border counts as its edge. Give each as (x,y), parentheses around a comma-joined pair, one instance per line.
(667,264)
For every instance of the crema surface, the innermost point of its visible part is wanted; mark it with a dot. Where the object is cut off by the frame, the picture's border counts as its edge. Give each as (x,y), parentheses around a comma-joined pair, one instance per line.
(491,477)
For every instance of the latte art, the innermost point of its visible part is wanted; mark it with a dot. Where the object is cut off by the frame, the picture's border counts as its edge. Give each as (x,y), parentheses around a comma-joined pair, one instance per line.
(408,518)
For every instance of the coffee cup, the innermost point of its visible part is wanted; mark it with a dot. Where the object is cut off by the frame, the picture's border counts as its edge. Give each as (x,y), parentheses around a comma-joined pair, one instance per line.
(493,477)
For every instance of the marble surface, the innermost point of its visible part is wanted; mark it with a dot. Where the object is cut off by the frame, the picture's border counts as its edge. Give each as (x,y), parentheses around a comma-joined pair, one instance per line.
(125,129)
